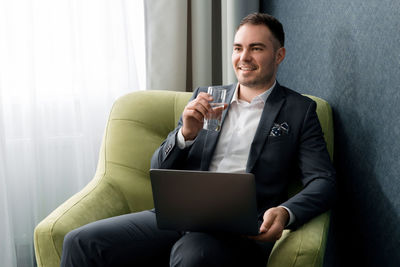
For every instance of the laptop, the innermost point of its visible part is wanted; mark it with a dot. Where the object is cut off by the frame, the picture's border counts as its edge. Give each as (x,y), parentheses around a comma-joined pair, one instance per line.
(200,201)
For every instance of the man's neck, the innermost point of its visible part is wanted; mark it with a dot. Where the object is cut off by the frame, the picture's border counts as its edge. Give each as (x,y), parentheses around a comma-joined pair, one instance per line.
(248,93)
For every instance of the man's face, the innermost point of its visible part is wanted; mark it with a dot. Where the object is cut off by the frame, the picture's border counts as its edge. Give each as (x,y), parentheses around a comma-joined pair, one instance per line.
(255,59)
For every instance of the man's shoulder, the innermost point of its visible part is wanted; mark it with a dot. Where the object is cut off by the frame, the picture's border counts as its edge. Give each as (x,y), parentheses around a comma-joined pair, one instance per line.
(295,97)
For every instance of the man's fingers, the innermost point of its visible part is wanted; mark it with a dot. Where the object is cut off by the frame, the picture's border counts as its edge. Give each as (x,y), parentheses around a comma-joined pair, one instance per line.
(204,100)
(201,105)
(198,112)
(272,227)
(272,234)
(265,237)
(268,221)
(204,95)
(195,114)
(276,230)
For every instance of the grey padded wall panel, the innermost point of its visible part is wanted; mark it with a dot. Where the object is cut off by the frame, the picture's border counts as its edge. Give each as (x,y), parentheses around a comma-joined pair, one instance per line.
(348,52)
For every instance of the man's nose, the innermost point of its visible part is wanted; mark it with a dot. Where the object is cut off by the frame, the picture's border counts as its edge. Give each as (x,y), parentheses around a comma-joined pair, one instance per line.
(245,56)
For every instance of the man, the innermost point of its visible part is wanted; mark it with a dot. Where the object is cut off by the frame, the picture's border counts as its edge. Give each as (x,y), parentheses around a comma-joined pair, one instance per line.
(268,130)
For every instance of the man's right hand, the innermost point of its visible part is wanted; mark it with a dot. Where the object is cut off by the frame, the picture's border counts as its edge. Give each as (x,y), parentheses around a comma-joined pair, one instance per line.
(193,115)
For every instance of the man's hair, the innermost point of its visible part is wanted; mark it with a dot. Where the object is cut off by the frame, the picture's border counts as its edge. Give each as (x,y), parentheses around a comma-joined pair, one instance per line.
(271,22)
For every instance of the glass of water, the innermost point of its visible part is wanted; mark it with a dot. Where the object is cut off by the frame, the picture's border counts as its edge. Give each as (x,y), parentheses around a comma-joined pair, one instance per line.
(213,120)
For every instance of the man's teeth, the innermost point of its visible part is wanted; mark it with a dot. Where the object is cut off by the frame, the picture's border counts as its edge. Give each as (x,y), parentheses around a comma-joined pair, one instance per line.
(246,68)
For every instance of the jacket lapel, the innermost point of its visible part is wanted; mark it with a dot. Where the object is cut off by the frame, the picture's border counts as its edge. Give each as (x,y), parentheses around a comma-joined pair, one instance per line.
(211,137)
(271,109)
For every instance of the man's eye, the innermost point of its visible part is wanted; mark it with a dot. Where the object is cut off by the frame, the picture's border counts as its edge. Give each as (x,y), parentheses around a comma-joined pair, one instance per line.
(257,49)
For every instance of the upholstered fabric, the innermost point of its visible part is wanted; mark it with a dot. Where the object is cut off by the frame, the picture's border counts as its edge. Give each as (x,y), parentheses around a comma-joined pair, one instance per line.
(137,125)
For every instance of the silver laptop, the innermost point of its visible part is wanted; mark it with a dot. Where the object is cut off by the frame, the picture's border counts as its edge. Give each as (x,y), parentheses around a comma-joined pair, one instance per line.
(201,201)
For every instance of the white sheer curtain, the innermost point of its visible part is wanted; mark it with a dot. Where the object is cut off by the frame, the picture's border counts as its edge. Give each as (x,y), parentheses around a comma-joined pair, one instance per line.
(62,64)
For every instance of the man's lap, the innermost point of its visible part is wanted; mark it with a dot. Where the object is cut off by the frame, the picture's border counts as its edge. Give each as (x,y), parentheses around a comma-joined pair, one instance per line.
(135,238)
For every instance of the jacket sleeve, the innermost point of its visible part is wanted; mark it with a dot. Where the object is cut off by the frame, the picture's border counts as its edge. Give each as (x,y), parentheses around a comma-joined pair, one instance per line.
(317,173)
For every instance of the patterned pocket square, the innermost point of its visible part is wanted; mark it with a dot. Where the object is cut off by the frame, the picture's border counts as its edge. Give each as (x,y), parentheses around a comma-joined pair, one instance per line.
(279,129)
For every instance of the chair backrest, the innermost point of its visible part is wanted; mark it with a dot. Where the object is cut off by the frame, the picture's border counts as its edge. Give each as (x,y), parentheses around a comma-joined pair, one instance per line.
(137,125)
(324,113)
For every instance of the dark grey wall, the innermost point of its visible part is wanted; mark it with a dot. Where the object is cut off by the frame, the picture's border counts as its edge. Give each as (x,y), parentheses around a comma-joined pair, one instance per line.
(348,52)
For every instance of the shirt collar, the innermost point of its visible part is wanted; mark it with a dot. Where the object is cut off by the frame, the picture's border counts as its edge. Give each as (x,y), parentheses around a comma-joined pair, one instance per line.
(261,97)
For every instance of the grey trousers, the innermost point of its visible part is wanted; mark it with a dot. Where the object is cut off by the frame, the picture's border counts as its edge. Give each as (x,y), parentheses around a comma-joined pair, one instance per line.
(135,240)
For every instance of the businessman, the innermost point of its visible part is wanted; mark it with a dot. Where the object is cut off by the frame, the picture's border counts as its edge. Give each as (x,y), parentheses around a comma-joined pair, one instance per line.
(268,130)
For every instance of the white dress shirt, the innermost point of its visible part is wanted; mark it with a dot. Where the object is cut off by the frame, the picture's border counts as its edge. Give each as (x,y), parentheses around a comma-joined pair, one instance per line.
(240,125)
(237,133)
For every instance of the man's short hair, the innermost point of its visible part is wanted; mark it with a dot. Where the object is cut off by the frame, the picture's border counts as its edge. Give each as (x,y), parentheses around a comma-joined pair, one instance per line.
(271,22)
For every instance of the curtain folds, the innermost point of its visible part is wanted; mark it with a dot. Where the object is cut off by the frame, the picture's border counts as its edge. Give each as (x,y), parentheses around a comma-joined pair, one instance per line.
(62,65)
(7,252)
(189,42)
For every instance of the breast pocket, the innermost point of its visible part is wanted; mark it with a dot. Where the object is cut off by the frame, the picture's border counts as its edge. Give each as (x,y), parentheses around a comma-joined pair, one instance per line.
(278,139)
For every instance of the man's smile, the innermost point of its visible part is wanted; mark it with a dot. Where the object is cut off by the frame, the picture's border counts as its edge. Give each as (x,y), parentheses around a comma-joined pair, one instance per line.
(247,68)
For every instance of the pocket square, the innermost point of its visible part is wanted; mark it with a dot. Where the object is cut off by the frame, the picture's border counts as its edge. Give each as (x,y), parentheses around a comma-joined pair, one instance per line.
(279,129)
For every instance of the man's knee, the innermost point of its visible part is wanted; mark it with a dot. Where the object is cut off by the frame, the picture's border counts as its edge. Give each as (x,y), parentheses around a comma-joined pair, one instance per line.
(77,248)
(187,254)
(72,240)
(196,249)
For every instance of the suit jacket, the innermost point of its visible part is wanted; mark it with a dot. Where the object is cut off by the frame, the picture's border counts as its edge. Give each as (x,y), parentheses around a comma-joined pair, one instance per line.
(274,160)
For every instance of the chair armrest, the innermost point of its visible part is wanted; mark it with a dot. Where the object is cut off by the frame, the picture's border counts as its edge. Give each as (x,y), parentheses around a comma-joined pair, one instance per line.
(98,200)
(302,247)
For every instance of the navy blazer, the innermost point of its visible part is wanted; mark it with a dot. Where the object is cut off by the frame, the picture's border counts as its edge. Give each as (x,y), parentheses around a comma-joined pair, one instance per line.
(274,160)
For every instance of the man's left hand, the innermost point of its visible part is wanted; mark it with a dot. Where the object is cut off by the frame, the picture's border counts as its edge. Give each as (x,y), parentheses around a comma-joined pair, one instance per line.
(275,220)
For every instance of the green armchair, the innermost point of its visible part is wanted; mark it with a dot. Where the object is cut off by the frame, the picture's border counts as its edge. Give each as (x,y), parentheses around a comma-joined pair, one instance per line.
(137,125)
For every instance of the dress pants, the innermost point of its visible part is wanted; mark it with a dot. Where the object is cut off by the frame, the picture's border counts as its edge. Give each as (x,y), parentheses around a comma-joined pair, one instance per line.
(135,240)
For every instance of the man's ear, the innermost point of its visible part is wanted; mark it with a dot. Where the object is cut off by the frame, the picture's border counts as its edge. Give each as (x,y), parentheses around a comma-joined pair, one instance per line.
(280,55)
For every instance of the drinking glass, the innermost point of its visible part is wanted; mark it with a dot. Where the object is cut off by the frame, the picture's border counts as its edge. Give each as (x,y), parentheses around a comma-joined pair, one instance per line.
(213,120)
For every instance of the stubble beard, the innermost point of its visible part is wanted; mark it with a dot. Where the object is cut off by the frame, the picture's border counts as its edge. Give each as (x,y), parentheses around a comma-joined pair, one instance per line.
(259,83)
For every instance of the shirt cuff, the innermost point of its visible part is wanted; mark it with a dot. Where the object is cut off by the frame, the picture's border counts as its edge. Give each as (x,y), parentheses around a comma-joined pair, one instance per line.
(182,144)
(291,216)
